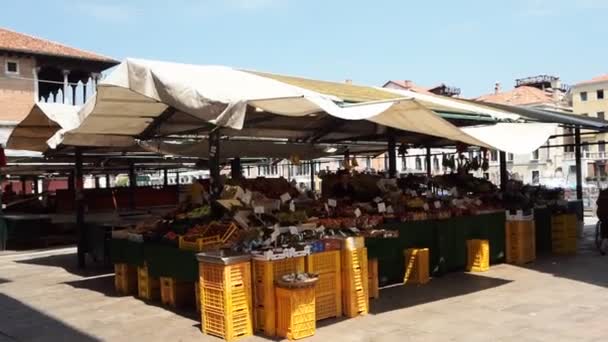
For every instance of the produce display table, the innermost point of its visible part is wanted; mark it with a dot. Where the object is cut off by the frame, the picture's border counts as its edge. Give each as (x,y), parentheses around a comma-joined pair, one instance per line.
(162,260)
(26,228)
(446,240)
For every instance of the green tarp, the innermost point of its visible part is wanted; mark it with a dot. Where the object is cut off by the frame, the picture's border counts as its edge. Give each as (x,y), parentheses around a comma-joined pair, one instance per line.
(446,240)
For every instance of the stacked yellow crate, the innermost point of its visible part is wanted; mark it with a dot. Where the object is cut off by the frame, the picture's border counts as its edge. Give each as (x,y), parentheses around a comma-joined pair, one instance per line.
(520,239)
(176,293)
(225,299)
(125,279)
(296,312)
(416,266)
(355,291)
(372,276)
(148,286)
(564,234)
(328,289)
(478,255)
(265,272)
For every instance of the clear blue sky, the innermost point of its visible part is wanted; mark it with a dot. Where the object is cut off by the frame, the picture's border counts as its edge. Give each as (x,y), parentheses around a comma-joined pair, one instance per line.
(469,44)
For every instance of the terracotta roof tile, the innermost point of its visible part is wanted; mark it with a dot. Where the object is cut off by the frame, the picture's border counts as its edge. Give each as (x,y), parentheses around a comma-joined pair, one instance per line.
(519,96)
(601,78)
(408,85)
(20,42)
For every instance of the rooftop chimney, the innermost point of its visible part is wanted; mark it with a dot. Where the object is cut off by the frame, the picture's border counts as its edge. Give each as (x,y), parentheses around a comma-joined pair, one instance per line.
(497,88)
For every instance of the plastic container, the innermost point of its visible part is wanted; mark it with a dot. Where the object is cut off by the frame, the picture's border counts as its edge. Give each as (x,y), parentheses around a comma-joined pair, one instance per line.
(372,276)
(355,291)
(295,310)
(176,293)
(328,290)
(265,273)
(416,266)
(148,287)
(520,242)
(325,262)
(199,244)
(478,255)
(125,279)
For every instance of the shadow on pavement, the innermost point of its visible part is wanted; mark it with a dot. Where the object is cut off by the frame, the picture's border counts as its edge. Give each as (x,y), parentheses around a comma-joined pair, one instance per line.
(4,281)
(21,322)
(68,262)
(451,285)
(587,266)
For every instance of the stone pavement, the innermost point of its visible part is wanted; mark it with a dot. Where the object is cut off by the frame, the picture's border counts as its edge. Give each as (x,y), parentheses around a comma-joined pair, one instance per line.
(43,297)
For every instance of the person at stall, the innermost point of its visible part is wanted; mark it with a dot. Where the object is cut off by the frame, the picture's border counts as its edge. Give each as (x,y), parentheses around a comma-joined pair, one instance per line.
(197,192)
(344,189)
(602,215)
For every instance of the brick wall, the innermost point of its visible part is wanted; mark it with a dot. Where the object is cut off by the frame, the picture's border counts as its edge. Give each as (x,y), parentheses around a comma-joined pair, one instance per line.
(16,95)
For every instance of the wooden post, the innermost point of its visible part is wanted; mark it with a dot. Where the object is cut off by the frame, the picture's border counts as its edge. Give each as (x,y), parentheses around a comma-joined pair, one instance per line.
(215,186)
(312,176)
(504,176)
(79,204)
(577,157)
(166,177)
(97,182)
(108,181)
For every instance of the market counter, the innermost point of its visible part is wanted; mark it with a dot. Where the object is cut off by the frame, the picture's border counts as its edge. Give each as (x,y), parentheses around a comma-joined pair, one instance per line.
(162,260)
(446,240)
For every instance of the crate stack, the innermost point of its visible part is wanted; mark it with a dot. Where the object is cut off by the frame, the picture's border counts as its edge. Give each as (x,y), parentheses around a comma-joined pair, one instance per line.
(564,234)
(328,289)
(296,317)
(148,287)
(416,266)
(125,279)
(355,291)
(478,255)
(265,272)
(520,239)
(176,293)
(372,276)
(225,299)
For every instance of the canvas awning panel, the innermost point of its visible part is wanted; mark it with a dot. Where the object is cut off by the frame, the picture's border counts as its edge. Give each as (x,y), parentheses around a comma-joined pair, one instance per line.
(516,138)
(142,97)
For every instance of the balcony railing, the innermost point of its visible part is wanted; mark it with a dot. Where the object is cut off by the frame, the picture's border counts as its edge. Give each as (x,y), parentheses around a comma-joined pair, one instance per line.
(587,155)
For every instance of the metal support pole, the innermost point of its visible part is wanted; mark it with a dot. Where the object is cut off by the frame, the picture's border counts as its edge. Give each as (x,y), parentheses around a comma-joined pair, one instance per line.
(235,168)
(392,154)
(132,185)
(312,175)
(428,162)
(166,177)
(97,182)
(577,157)
(78,187)
(23,185)
(504,176)
(108,182)
(215,186)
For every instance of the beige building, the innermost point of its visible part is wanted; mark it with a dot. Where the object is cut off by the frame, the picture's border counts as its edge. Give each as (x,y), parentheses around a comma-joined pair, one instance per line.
(590,98)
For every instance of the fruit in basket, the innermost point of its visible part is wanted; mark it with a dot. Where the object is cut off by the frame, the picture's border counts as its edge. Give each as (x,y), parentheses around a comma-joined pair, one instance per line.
(199,212)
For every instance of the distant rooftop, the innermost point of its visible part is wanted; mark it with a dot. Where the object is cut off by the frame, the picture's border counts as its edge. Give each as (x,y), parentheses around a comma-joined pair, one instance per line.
(441,89)
(597,79)
(23,43)
(520,96)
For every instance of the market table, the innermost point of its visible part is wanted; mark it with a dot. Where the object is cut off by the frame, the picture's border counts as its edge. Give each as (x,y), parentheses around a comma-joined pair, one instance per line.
(446,240)
(26,228)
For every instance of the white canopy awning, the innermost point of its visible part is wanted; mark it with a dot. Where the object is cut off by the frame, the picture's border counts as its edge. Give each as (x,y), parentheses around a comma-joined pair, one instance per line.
(516,138)
(142,97)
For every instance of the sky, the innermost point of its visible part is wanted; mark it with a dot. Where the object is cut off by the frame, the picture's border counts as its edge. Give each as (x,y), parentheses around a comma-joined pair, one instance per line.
(468,44)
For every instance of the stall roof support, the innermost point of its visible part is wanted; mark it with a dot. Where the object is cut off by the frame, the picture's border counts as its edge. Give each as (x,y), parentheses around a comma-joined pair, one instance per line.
(504,176)
(428,162)
(215,188)
(78,187)
(577,157)
(392,154)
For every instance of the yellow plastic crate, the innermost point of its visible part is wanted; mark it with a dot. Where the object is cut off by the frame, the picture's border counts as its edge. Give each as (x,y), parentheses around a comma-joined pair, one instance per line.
(355,291)
(478,255)
(176,293)
(296,317)
(328,290)
(197,296)
(265,272)
(372,276)
(224,276)
(148,287)
(125,279)
(199,244)
(520,242)
(416,266)
(227,326)
(324,262)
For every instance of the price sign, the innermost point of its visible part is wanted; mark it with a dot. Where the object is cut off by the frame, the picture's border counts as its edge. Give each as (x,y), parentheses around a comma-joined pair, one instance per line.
(292,206)
(426,207)
(377,199)
(437,204)
(285,197)
(381,207)
(357,212)
(390,210)
(326,207)
(332,202)
(294,230)
(258,210)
